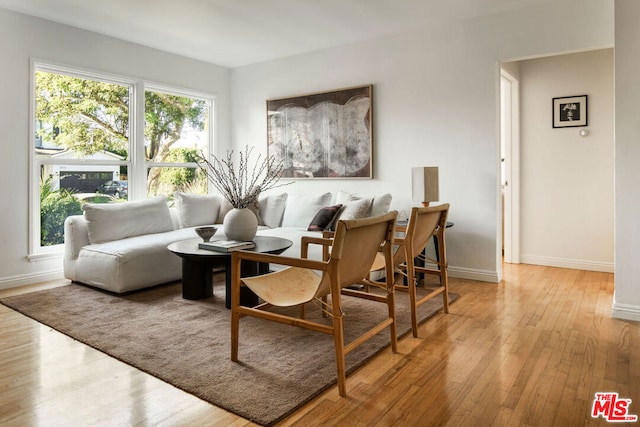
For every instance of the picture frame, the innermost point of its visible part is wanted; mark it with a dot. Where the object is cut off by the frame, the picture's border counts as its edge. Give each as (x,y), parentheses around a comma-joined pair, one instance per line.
(570,111)
(323,134)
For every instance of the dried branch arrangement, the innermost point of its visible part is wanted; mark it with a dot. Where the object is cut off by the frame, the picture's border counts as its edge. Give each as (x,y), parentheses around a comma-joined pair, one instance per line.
(242,185)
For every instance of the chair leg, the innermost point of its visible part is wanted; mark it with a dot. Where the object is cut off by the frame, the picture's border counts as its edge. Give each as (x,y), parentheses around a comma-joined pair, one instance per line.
(303,311)
(235,327)
(442,267)
(235,303)
(445,294)
(338,337)
(411,283)
(392,314)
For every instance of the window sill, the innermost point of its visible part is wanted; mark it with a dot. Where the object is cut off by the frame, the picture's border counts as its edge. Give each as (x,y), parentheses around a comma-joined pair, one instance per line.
(45,256)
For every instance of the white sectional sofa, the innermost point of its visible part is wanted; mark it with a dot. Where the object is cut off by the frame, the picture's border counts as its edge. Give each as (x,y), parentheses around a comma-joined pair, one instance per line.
(122,247)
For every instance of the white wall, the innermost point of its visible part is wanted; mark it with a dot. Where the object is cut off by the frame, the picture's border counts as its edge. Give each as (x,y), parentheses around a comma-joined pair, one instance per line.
(626,300)
(22,38)
(566,180)
(435,103)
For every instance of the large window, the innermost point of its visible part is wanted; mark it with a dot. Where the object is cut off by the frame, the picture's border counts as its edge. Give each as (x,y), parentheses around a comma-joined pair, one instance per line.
(92,145)
(176,132)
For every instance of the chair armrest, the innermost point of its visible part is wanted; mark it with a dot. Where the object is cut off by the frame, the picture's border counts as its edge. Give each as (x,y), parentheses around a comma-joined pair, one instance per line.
(278,259)
(305,241)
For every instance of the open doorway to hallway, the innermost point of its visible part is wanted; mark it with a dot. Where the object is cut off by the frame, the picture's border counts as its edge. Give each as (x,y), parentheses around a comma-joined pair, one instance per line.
(558,181)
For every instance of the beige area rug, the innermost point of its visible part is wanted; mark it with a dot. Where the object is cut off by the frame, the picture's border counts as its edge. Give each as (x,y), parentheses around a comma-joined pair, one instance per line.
(186,343)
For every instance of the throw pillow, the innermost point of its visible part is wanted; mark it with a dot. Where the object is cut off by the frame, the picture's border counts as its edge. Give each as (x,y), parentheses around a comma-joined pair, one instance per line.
(255,208)
(300,210)
(324,218)
(272,209)
(115,221)
(379,206)
(343,197)
(356,209)
(332,224)
(197,209)
(225,207)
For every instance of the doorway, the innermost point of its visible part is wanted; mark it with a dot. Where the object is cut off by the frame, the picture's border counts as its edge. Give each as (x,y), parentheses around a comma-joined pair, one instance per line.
(509,166)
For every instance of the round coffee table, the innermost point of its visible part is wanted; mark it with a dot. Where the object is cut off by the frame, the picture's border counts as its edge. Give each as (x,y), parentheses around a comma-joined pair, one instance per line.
(198,265)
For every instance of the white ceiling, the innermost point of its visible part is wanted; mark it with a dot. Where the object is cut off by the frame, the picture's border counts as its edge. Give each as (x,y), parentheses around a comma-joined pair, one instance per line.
(233,33)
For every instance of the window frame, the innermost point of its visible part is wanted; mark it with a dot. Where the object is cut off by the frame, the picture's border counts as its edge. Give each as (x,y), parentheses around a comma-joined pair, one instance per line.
(136,163)
(169,90)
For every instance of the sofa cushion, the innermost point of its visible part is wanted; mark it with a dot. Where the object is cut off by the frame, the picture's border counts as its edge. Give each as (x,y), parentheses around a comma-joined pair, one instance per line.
(226,207)
(379,206)
(300,210)
(272,208)
(295,235)
(197,209)
(343,197)
(115,221)
(356,209)
(324,218)
(134,263)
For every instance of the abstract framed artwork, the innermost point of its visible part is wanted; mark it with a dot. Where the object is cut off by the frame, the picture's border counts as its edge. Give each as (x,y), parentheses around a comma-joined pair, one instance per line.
(323,134)
(570,111)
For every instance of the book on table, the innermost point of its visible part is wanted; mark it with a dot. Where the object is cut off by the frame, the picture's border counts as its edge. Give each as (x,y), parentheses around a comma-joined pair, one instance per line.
(226,245)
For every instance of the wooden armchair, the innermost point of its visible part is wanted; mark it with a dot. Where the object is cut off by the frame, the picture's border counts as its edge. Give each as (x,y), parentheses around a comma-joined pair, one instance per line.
(424,224)
(352,252)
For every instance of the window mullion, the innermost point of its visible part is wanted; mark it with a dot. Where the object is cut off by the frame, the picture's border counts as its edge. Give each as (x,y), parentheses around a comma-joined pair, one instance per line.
(138,170)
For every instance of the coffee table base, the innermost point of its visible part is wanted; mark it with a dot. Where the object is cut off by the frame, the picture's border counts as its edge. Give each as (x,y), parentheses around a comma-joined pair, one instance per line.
(198,267)
(247,269)
(197,280)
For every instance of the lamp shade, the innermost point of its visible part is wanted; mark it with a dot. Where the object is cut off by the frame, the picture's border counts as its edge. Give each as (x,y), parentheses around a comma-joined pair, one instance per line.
(424,184)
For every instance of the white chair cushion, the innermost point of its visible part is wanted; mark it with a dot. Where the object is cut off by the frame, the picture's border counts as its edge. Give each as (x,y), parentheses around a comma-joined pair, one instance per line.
(300,210)
(115,221)
(197,209)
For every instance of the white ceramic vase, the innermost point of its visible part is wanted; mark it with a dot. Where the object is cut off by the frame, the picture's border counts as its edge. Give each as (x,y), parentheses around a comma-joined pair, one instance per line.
(240,224)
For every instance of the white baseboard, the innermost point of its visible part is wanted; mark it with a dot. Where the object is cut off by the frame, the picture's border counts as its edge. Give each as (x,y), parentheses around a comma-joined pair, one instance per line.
(473,274)
(30,279)
(605,267)
(626,312)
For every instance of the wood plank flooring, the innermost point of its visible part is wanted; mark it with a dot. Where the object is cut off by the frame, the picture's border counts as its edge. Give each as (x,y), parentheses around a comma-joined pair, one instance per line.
(530,351)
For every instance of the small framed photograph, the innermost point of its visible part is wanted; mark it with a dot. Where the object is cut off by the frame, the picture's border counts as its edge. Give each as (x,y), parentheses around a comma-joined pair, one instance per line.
(570,111)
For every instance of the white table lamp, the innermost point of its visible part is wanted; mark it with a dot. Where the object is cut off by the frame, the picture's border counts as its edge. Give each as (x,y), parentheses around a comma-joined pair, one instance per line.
(424,184)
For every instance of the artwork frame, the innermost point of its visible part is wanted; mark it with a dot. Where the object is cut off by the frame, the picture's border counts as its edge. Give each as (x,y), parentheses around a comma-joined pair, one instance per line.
(566,108)
(323,135)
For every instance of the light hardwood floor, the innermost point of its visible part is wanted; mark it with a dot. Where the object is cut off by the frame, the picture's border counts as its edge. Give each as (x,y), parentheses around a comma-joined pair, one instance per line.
(531,350)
